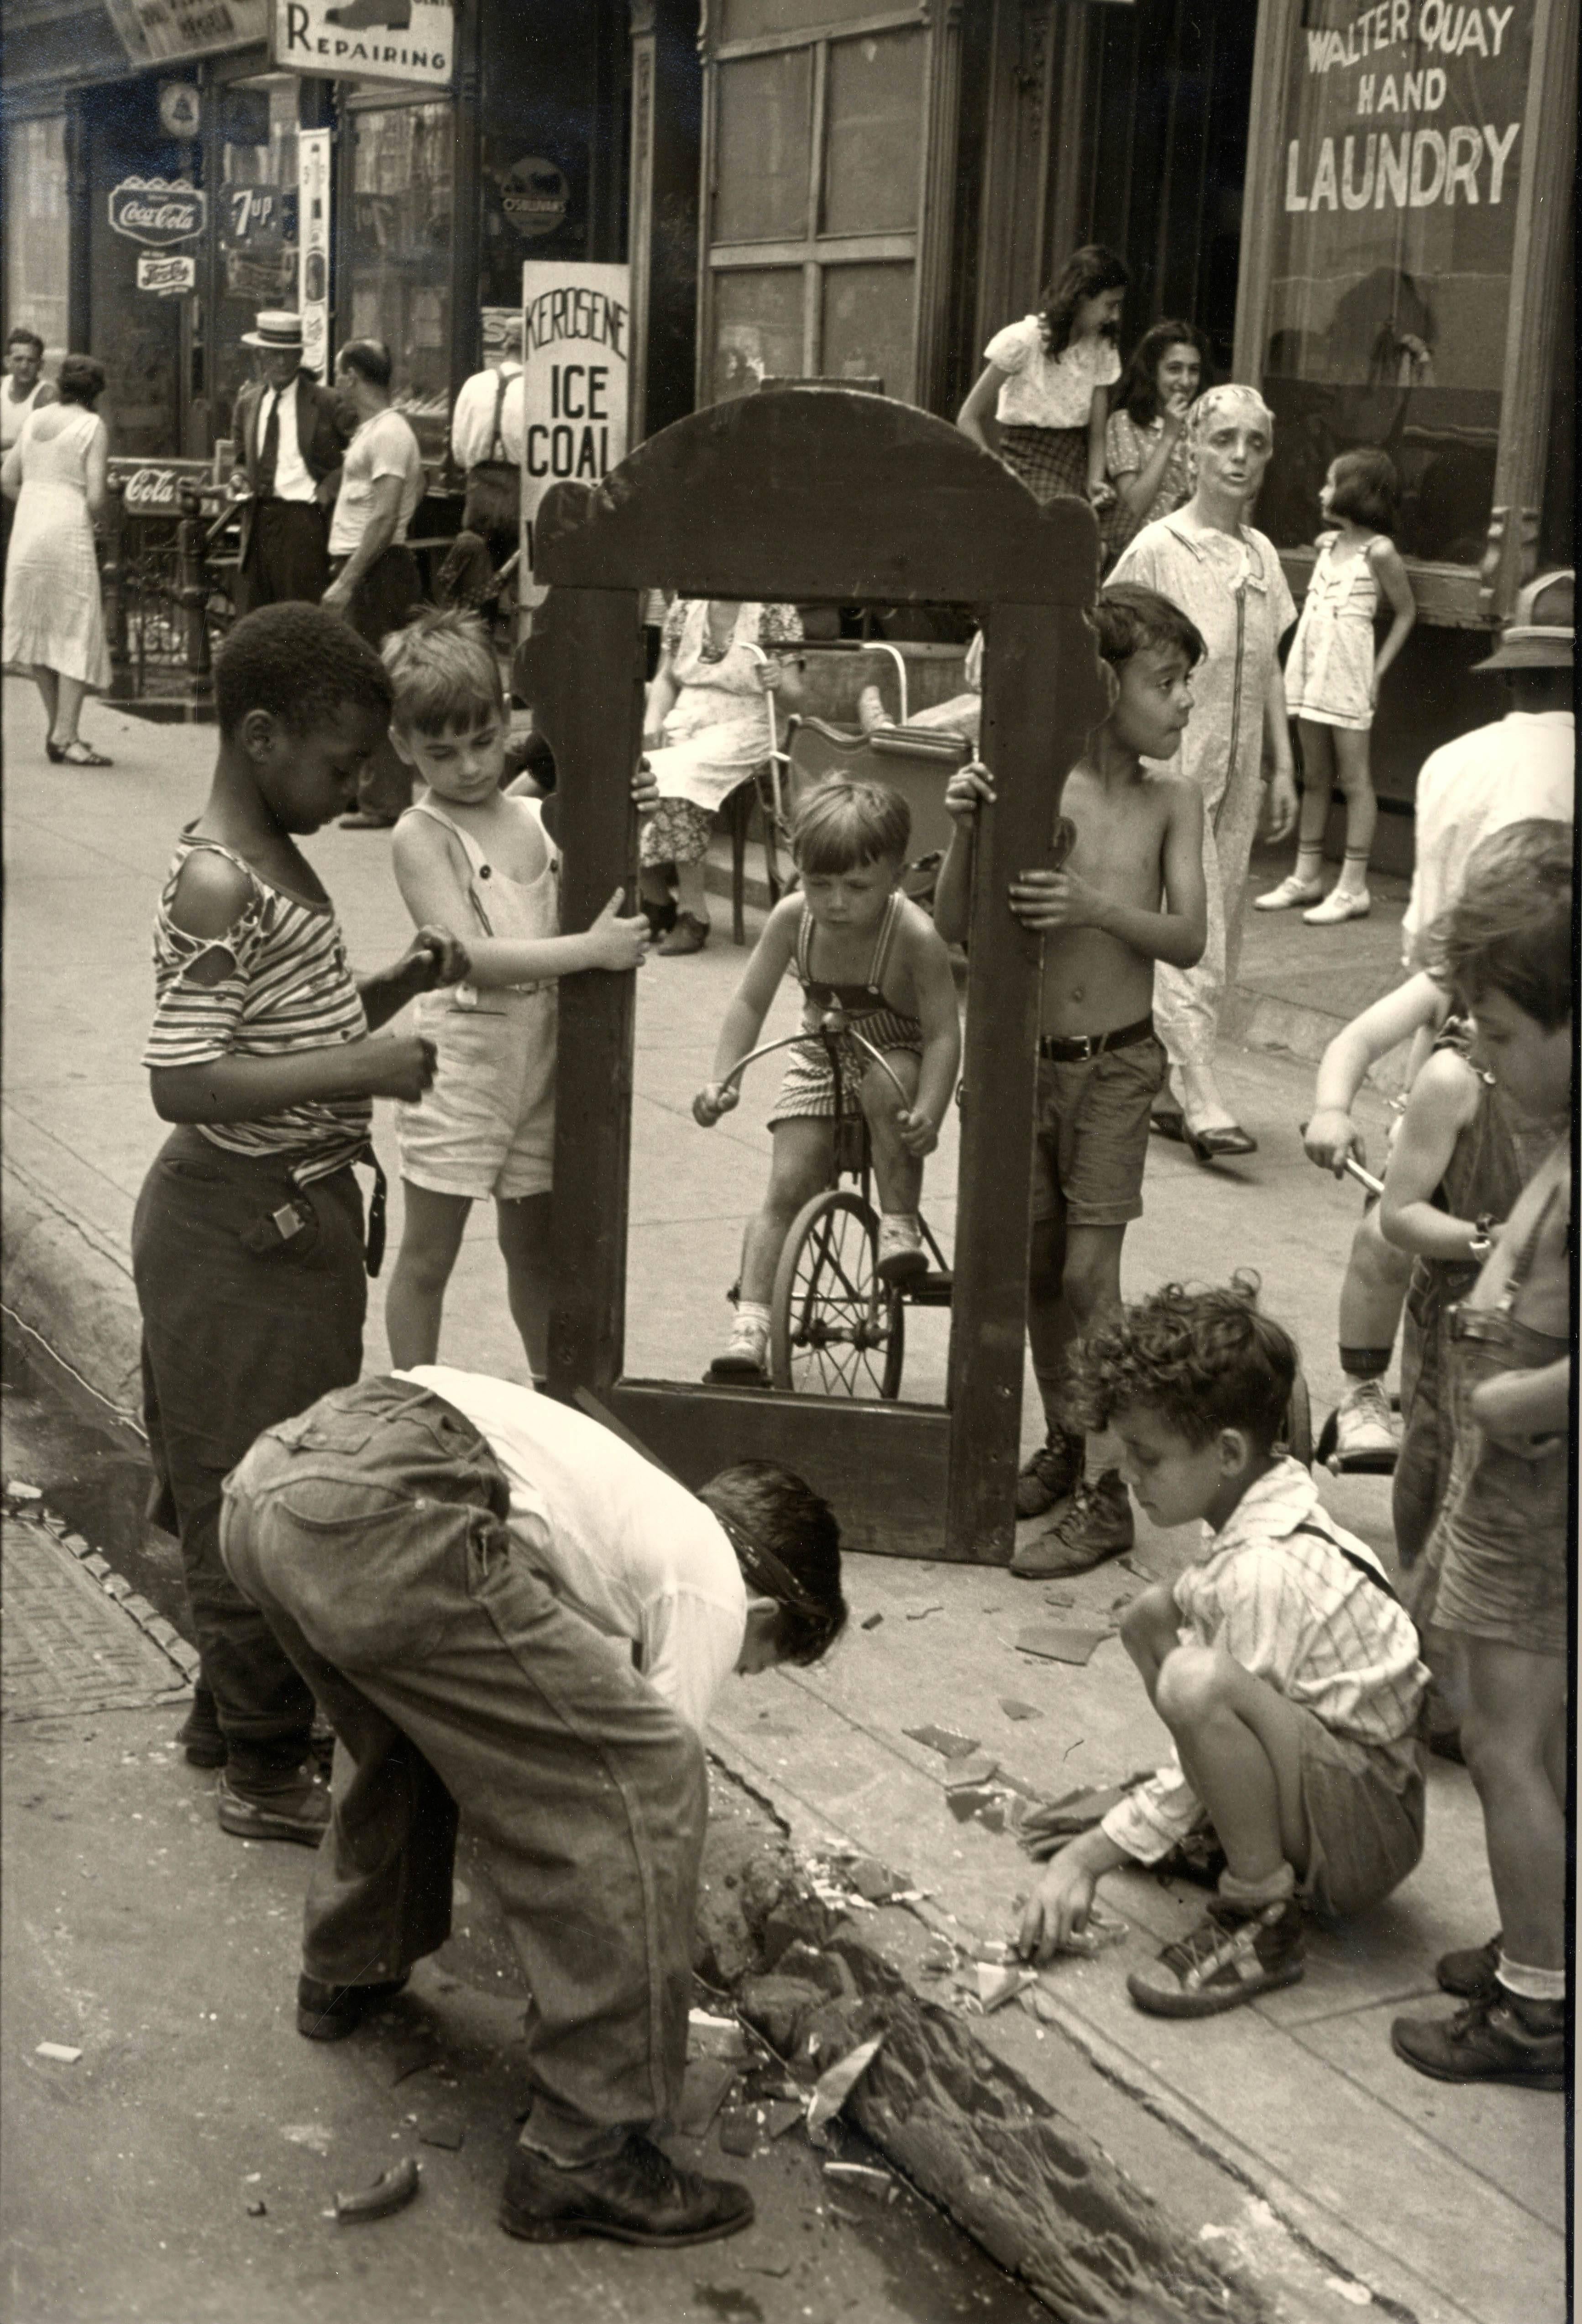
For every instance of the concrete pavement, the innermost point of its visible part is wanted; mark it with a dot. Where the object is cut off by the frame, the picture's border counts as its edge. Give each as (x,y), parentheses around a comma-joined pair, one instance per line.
(1287,2133)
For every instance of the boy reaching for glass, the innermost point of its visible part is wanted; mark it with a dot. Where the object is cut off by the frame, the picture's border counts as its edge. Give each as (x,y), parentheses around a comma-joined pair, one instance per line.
(1130,891)
(854,942)
(1286,1672)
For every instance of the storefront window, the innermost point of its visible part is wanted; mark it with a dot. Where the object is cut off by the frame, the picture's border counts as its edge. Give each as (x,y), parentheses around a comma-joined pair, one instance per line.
(397,282)
(256,223)
(36,229)
(1402,149)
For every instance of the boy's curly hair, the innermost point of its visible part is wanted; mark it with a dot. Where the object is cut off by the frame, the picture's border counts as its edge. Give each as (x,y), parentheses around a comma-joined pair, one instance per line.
(1510,928)
(301,663)
(1203,1360)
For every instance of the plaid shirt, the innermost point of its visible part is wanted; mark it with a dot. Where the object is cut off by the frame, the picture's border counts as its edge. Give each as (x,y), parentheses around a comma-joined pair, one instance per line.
(1286,1605)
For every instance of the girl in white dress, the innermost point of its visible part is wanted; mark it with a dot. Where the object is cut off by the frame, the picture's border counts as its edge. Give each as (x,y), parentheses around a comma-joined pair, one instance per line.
(1047,381)
(54,620)
(1332,680)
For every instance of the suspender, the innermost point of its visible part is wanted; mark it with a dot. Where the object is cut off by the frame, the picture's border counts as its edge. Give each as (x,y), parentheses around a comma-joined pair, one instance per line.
(1371,1572)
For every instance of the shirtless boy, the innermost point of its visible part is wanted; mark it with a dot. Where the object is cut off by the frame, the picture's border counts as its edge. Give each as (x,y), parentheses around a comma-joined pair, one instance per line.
(1129,892)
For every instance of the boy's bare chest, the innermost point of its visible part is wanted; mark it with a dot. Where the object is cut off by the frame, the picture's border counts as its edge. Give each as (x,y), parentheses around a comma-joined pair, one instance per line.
(1119,839)
(511,842)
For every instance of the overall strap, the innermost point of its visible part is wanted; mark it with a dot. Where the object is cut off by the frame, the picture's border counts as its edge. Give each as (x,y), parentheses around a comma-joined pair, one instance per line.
(1522,1265)
(886,936)
(805,947)
(1370,1572)
(477,861)
(497,441)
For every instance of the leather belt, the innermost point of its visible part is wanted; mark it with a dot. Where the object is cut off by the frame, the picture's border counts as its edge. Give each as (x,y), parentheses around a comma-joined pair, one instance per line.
(1076,1048)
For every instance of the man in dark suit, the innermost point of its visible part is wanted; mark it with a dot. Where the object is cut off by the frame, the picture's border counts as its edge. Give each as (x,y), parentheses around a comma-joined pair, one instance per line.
(290,435)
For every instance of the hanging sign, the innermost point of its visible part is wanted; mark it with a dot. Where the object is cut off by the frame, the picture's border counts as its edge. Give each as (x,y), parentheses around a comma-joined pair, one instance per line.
(180,108)
(411,41)
(158,212)
(154,32)
(169,274)
(313,215)
(577,352)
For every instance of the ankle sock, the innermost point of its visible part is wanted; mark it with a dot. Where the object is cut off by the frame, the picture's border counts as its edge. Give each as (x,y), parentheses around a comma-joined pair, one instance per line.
(1272,1889)
(753,1312)
(1365,1363)
(1309,864)
(1526,1984)
(1353,880)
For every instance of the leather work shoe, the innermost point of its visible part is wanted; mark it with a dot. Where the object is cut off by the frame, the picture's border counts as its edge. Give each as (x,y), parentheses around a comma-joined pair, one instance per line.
(1487,2042)
(1233,1956)
(298,1811)
(1095,1525)
(328,2013)
(1471,1974)
(635,2197)
(1052,1475)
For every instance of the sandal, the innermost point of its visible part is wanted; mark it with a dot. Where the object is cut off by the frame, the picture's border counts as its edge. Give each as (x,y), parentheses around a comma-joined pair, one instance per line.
(689,935)
(79,754)
(1218,1145)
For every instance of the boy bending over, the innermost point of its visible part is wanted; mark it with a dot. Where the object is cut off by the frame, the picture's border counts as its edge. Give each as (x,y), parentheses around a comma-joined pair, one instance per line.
(1280,1661)
(1129,892)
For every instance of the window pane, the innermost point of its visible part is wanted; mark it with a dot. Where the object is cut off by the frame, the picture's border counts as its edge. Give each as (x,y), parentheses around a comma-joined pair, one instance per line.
(764,134)
(257,222)
(868,326)
(36,229)
(399,255)
(744,20)
(758,329)
(875,101)
(1391,268)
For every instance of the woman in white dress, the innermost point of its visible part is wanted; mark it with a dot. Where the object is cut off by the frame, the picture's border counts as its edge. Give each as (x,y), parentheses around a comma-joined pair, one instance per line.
(54,619)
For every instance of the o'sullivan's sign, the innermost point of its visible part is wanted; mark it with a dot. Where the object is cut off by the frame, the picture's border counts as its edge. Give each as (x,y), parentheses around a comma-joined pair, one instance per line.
(577,352)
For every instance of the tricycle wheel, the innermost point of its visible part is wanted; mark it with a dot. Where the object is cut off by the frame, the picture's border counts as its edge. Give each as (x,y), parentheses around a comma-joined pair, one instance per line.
(835,1328)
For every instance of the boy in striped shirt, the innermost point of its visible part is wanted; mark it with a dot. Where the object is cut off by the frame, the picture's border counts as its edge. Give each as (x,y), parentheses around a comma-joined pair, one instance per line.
(1280,1662)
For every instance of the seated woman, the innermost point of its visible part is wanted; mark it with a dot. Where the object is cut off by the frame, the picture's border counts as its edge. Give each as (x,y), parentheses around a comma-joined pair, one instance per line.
(1145,442)
(706,727)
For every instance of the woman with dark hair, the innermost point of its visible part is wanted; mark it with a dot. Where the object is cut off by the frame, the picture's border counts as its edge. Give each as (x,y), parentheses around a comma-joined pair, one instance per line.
(374,583)
(54,620)
(1145,442)
(1047,380)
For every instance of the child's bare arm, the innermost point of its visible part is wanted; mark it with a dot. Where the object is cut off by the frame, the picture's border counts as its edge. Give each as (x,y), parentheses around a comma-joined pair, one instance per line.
(1528,1413)
(433,888)
(1444,1098)
(744,1021)
(1099,491)
(1045,901)
(1390,573)
(1331,1134)
(980,404)
(1060,1904)
(968,789)
(936,987)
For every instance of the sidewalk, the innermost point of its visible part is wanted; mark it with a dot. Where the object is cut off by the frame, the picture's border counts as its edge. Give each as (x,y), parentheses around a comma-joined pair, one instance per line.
(1287,2131)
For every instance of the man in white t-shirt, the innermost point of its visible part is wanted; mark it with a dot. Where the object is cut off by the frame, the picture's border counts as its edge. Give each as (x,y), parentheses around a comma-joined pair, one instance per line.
(506,1609)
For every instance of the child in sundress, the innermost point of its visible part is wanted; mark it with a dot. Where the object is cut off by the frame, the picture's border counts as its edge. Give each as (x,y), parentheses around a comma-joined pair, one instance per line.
(1047,381)
(1332,680)
(485,861)
(852,940)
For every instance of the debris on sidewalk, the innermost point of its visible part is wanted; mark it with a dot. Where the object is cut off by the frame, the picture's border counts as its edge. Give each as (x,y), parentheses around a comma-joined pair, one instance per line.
(999,1984)
(1053,1643)
(923,1608)
(709,2036)
(835,2085)
(945,1740)
(703,2094)
(1045,1828)
(390,2192)
(309,2134)
(257,2209)
(17,1490)
(871,1622)
(863,2175)
(1014,1710)
(447,2130)
(62,2052)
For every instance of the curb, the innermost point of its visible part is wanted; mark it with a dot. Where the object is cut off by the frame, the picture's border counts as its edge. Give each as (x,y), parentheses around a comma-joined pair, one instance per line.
(153,1624)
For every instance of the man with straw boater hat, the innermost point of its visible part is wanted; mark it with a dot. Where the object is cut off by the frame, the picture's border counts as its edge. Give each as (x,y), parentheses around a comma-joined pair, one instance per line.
(290,436)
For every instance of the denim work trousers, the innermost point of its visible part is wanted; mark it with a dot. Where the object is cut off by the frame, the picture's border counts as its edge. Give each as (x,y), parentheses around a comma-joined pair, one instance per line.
(233,1340)
(371,1532)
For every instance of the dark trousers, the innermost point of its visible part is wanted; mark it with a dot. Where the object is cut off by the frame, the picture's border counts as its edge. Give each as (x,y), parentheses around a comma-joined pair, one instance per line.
(232,1341)
(288,556)
(371,1532)
(387,596)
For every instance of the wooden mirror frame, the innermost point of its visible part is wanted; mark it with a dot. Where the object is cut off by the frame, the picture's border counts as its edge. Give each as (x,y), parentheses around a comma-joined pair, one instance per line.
(805,494)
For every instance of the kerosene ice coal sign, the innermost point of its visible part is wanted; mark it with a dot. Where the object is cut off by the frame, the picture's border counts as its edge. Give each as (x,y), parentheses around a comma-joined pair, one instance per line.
(158,212)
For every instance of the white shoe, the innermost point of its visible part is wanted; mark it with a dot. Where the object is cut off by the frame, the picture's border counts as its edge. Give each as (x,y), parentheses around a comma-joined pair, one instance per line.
(1290,891)
(901,1255)
(745,1355)
(1339,904)
(1367,1434)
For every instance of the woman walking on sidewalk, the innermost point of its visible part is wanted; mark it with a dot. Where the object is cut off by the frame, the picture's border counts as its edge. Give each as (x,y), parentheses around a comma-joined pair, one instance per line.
(54,621)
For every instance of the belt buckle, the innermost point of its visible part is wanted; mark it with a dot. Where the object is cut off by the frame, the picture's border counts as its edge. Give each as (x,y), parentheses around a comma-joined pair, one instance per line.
(1087,1049)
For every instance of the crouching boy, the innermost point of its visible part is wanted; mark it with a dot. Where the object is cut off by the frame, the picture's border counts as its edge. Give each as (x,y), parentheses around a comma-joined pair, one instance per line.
(1280,1662)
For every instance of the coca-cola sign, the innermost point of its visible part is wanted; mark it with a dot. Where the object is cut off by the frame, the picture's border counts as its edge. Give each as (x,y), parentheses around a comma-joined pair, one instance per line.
(153,488)
(158,212)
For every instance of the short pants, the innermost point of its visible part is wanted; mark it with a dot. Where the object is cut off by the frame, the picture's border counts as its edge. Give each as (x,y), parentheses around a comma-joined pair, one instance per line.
(487,1124)
(1503,1532)
(807,1093)
(1091,1125)
(1363,1807)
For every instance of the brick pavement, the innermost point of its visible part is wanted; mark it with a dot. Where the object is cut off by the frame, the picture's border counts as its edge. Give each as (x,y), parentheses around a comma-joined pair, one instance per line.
(67,1644)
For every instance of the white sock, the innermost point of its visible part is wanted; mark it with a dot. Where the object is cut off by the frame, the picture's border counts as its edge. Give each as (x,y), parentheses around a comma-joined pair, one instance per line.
(1531,1984)
(1272,1889)
(753,1312)
(1353,880)
(900,1219)
(1309,863)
